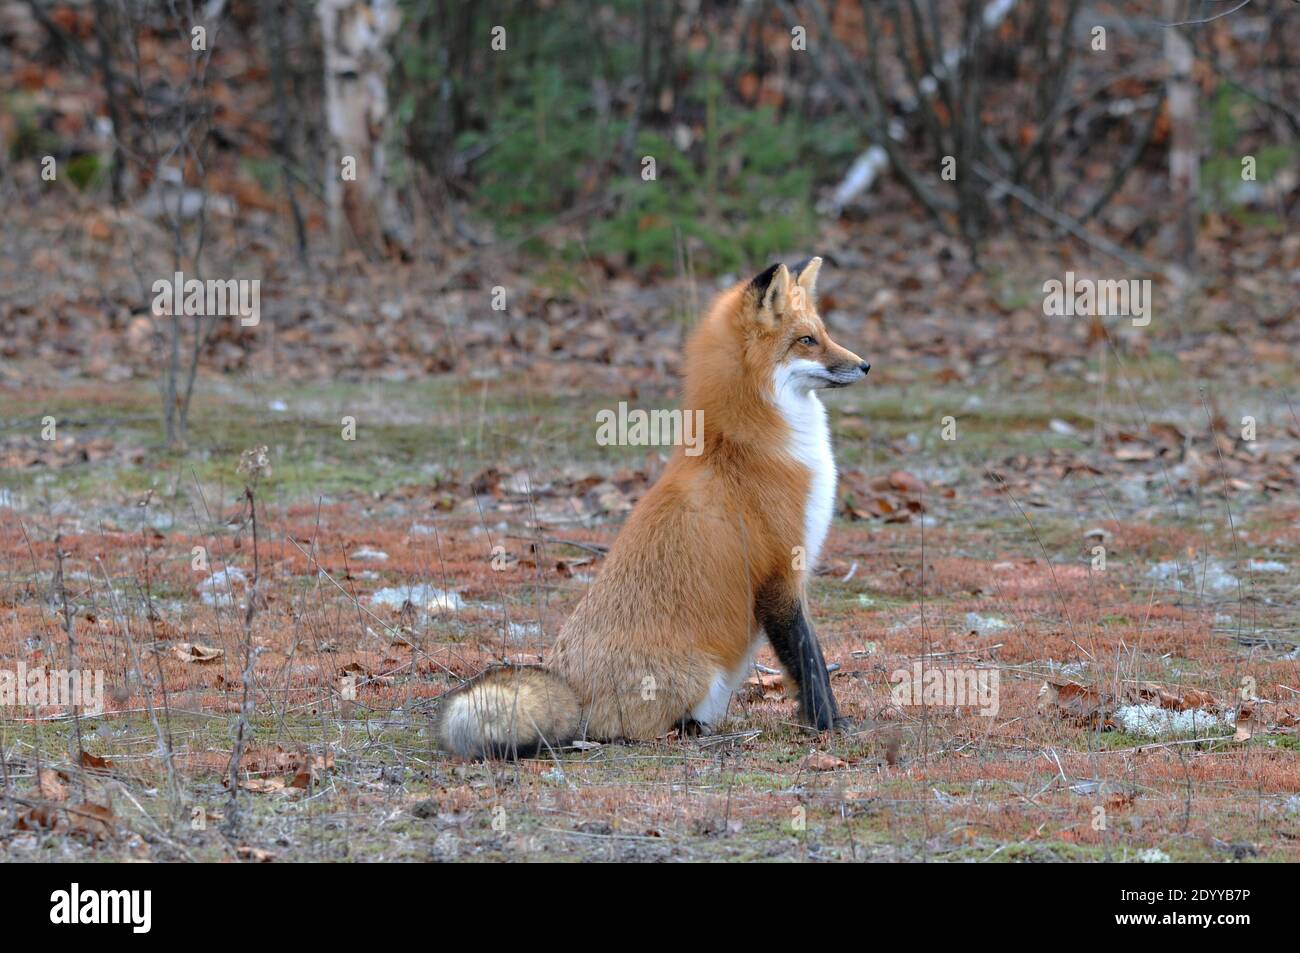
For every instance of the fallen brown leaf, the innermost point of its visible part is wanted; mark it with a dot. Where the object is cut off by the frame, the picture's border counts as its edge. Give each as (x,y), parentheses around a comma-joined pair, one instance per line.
(1079,703)
(763,688)
(821,761)
(902,480)
(262,785)
(194,652)
(50,784)
(96,764)
(96,821)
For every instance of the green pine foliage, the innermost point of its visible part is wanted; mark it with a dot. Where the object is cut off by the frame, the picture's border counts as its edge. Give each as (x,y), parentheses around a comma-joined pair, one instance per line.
(733,184)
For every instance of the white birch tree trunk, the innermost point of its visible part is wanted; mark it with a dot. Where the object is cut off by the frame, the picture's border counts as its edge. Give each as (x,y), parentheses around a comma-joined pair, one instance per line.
(1184,151)
(362,209)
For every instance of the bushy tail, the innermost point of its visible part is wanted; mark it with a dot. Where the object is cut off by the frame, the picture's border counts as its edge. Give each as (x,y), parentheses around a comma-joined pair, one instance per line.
(509,712)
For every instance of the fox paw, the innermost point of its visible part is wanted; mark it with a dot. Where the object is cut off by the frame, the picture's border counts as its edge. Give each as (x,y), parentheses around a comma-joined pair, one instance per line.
(836,723)
(690,728)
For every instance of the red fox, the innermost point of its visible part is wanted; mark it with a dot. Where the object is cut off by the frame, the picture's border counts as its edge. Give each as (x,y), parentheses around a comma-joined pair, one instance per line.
(715,555)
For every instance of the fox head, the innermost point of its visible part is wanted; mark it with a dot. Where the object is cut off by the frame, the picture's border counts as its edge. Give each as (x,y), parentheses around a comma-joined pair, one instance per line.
(784,338)
(761,353)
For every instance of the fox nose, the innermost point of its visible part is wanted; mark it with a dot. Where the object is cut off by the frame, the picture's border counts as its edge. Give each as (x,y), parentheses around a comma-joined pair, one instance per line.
(864,367)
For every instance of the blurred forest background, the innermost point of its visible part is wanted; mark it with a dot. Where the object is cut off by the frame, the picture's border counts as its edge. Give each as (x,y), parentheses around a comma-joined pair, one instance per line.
(647,140)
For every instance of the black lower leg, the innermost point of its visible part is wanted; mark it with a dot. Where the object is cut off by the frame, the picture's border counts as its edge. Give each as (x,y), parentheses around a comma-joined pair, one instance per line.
(786,623)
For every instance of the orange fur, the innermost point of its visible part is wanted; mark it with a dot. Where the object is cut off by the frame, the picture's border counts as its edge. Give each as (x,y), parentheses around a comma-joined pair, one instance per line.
(674,608)
(674,603)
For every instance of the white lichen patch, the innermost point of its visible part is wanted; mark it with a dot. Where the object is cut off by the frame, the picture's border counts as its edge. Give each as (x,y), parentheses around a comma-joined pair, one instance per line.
(421,596)
(1152,721)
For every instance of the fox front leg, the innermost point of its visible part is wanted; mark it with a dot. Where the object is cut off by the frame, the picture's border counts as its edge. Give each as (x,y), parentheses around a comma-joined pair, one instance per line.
(785,620)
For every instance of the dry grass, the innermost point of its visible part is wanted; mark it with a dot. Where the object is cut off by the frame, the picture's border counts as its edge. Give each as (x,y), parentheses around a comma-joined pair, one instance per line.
(332,777)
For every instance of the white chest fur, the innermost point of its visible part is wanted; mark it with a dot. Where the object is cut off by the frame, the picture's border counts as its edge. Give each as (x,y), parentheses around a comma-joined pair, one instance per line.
(809,445)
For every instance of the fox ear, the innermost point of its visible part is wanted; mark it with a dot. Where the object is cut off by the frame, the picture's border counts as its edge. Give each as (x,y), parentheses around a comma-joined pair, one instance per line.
(807,272)
(771,293)
(759,284)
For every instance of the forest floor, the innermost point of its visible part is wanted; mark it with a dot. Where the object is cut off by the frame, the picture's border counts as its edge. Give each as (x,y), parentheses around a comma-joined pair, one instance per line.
(1148,691)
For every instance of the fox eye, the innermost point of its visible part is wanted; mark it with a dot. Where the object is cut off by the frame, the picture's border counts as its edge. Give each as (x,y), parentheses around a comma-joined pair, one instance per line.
(807,339)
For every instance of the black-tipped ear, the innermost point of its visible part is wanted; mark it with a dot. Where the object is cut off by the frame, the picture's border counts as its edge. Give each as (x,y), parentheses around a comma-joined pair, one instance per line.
(760,282)
(797,270)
